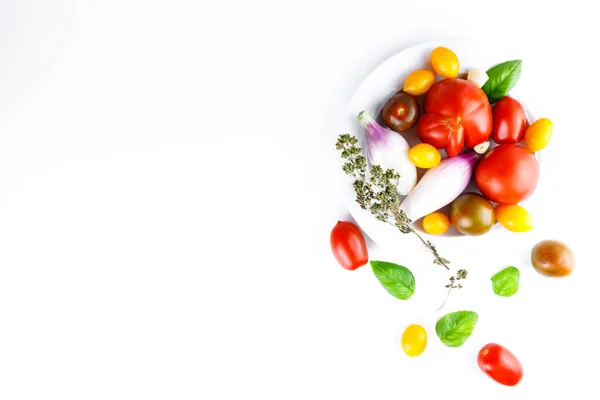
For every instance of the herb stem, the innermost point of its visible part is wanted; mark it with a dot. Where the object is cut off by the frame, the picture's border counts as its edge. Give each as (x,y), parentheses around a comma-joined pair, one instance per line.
(454,283)
(438,259)
(445,300)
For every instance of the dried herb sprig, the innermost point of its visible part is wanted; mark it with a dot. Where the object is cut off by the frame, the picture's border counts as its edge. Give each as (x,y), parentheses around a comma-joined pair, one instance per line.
(461,274)
(377,192)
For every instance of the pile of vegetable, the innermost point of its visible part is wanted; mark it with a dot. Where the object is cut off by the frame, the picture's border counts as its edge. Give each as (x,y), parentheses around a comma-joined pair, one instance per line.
(457,119)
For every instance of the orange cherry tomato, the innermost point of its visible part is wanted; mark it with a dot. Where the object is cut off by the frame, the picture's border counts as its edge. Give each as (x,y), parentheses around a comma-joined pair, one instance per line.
(436,223)
(418,82)
(444,62)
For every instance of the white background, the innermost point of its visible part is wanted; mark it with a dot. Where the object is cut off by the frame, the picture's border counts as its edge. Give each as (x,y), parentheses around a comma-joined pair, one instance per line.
(168,184)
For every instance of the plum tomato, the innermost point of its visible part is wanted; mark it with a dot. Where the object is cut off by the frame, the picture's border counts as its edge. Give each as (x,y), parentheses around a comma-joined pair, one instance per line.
(418,82)
(513,217)
(472,214)
(457,113)
(538,134)
(500,364)
(510,121)
(414,340)
(348,245)
(444,62)
(508,174)
(552,258)
(436,223)
(424,155)
(401,112)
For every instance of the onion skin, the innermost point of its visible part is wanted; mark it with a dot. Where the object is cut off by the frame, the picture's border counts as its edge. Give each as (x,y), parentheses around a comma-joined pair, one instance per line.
(389,150)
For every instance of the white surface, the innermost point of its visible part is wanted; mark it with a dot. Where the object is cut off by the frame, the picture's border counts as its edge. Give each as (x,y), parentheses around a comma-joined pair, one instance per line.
(168,184)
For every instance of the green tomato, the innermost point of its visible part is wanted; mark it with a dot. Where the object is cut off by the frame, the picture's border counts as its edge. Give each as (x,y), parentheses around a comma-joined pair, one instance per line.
(472,214)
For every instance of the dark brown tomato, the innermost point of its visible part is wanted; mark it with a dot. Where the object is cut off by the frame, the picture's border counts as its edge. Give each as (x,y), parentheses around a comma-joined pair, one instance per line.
(552,258)
(472,214)
(401,112)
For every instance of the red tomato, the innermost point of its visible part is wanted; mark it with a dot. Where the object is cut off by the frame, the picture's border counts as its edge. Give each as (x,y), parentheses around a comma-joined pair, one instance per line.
(510,121)
(508,174)
(457,114)
(348,245)
(500,364)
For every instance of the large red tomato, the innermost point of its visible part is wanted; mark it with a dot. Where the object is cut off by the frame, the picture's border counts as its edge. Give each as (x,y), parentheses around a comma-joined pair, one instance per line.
(348,245)
(508,174)
(500,364)
(457,114)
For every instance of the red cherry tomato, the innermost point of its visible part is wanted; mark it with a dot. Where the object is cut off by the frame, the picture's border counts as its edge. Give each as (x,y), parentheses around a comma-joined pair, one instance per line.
(508,174)
(500,364)
(510,121)
(348,245)
(457,114)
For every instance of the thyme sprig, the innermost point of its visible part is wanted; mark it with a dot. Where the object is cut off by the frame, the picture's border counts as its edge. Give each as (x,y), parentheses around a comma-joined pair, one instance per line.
(376,191)
(461,274)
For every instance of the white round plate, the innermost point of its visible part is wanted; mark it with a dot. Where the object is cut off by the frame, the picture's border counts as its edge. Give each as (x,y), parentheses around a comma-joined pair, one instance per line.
(388,78)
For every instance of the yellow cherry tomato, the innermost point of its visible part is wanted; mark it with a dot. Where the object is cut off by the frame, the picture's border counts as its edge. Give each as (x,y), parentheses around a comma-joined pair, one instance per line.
(538,134)
(436,223)
(444,62)
(424,155)
(418,82)
(414,340)
(514,218)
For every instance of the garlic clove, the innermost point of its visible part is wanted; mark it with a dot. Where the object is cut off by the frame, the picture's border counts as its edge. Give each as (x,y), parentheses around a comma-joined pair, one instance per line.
(481,147)
(477,76)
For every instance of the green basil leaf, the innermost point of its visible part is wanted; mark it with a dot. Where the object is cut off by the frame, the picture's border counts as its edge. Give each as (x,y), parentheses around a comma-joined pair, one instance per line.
(502,78)
(454,328)
(506,282)
(396,279)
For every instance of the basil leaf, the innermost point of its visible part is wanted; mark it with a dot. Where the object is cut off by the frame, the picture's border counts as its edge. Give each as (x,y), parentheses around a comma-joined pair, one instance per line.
(454,328)
(396,279)
(502,78)
(506,282)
